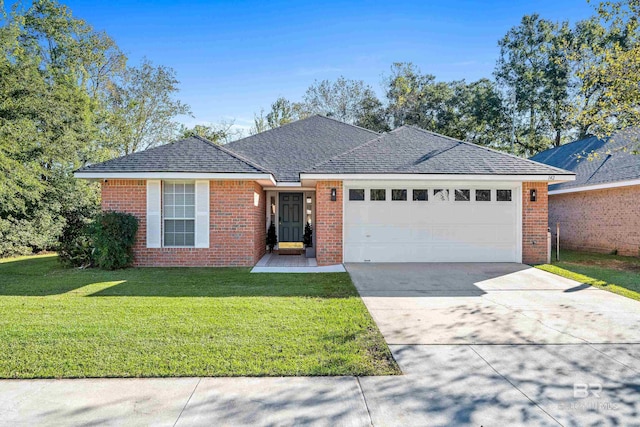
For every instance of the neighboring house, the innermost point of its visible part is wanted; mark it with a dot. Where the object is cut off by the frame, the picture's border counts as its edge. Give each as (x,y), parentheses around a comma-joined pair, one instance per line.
(404,196)
(600,210)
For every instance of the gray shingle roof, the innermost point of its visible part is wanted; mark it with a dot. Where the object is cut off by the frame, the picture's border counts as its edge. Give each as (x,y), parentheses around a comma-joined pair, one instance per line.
(297,146)
(323,145)
(412,150)
(596,161)
(193,154)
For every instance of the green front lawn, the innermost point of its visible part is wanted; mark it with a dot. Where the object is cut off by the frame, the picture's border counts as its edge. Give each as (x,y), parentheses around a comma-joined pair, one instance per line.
(57,322)
(614,273)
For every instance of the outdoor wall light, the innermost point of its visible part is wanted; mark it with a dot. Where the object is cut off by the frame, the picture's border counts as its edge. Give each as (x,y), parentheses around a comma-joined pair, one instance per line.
(533,194)
(333,194)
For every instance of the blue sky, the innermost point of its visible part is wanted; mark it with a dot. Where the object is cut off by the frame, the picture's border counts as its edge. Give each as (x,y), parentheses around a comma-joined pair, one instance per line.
(234,57)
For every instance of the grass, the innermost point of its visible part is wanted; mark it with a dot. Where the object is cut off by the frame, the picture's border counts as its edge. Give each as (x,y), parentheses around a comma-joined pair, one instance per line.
(159,322)
(618,274)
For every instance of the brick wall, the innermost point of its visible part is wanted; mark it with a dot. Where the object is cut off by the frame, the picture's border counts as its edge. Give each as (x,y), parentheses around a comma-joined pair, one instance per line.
(236,221)
(328,227)
(535,217)
(598,220)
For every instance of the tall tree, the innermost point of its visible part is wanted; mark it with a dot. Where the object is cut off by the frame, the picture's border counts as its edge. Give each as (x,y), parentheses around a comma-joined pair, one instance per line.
(350,101)
(282,112)
(60,84)
(534,71)
(48,123)
(259,123)
(610,69)
(142,109)
(468,111)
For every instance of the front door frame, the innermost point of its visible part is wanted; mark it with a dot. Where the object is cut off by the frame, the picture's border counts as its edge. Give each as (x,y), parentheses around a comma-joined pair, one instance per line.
(299,204)
(308,193)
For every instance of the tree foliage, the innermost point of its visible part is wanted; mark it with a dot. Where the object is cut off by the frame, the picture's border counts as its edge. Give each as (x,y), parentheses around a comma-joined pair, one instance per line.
(554,82)
(350,101)
(141,110)
(58,77)
(610,70)
(220,133)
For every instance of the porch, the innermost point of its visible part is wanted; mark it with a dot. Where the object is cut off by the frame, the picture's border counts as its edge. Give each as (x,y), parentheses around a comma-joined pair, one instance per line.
(278,263)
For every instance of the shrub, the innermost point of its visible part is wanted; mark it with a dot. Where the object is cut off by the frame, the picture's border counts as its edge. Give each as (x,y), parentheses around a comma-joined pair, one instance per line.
(307,239)
(113,235)
(77,252)
(272,238)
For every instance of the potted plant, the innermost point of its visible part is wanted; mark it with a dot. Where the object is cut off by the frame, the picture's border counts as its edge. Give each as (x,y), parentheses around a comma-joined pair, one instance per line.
(307,239)
(272,238)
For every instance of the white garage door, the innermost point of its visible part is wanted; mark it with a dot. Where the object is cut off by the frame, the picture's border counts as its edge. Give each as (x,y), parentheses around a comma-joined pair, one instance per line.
(431,223)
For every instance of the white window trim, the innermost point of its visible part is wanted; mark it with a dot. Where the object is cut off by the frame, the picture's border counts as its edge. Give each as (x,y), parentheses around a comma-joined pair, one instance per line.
(162,226)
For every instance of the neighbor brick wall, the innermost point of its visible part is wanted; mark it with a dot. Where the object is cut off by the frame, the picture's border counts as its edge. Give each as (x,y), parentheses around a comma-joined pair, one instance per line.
(535,217)
(236,222)
(598,220)
(328,227)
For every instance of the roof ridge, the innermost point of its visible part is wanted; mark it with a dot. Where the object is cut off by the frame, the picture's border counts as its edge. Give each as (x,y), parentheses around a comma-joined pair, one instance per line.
(482,147)
(345,123)
(301,120)
(351,149)
(232,154)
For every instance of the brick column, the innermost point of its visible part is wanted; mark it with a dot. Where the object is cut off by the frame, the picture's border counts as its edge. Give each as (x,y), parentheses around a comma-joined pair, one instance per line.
(328,226)
(535,220)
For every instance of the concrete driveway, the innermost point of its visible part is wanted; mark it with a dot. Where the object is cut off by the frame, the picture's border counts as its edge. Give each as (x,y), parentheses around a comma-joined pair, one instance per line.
(487,343)
(491,304)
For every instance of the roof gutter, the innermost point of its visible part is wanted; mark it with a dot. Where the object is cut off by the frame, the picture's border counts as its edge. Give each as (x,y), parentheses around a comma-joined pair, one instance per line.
(551,178)
(596,187)
(175,175)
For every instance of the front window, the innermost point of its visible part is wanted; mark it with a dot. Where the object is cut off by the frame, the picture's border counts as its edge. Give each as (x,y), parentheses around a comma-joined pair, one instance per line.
(179,212)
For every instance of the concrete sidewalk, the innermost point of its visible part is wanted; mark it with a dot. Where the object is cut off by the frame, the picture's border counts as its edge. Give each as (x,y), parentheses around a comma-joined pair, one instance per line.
(442,385)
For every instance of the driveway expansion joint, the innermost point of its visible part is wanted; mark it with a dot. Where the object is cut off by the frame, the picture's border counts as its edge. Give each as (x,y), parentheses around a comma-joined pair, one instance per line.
(514,386)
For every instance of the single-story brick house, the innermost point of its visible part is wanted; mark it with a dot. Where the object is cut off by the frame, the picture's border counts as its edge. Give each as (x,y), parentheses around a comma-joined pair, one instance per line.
(599,211)
(404,196)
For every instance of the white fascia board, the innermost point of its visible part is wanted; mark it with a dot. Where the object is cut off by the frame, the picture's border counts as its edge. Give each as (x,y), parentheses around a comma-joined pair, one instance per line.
(289,184)
(596,187)
(175,175)
(436,177)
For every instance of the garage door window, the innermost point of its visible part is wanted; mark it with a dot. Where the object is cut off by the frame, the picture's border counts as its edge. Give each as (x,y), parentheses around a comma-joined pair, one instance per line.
(378,194)
(503,195)
(399,195)
(483,195)
(462,195)
(441,195)
(420,195)
(356,194)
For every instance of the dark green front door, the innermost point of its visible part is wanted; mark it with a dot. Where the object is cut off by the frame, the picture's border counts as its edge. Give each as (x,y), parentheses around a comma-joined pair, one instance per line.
(290,217)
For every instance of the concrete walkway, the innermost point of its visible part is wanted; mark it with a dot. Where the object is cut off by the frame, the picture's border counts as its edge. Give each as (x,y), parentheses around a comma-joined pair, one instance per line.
(478,345)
